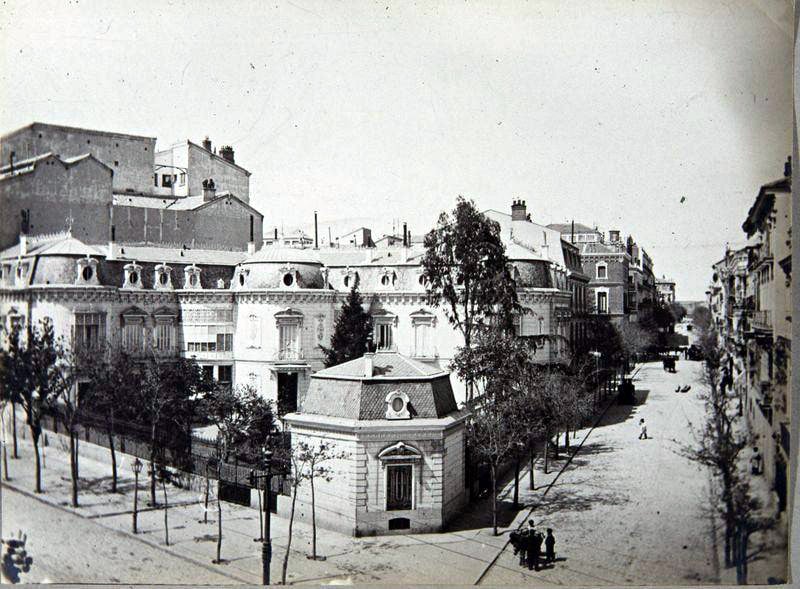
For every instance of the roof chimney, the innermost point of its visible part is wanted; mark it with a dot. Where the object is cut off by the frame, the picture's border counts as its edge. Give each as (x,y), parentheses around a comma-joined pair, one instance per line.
(405,234)
(226,151)
(316,232)
(787,167)
(207,143)
(613,236)
(369,358)
(209,190)
(519,211)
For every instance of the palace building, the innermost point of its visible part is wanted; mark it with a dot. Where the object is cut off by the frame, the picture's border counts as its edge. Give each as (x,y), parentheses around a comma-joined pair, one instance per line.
(161,251)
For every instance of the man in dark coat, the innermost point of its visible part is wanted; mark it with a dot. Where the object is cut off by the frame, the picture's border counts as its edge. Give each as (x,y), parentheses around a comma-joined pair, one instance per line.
(534,550)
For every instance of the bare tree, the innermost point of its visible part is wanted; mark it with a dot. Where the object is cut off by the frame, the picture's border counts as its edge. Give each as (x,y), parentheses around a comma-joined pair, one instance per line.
(314,457)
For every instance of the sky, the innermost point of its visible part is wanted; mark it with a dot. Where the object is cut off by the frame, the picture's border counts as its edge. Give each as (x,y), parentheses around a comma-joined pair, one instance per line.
(658,118)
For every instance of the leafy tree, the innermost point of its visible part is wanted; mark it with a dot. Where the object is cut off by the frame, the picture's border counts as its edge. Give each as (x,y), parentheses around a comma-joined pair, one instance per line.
(352,331)
(701,317)
(493,433)
(14,378)
(466,272)
(634,340)
(166,398)
(112,379)
(243,419)
(71,406)
(678,312)
(39,374)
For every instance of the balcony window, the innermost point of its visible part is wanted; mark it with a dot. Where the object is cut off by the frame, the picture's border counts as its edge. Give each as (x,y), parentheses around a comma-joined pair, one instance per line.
(89,330)
(288,341)
(383,336)
(224,342)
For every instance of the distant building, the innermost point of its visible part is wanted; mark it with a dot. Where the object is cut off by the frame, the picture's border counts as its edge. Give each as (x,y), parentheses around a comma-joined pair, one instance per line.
(291,238)
(402,435)
(666,289)
(361,237)
(642,292)
(98,183)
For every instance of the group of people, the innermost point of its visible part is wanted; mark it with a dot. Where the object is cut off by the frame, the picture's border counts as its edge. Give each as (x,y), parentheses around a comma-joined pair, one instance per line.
(528,544)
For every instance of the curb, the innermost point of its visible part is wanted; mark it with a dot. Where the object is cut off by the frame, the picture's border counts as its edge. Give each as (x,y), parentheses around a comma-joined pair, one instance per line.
(549,486)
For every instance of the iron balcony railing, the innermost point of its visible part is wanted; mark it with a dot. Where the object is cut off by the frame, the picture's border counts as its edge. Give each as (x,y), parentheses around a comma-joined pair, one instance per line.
(289,354)
(762,320)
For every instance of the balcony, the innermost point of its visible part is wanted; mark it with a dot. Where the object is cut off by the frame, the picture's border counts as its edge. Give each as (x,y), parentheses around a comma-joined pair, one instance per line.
(762,320)
(288,355)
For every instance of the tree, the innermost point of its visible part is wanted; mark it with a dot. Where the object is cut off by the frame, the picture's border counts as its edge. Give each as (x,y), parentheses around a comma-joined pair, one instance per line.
(39,373)
(466,272)
(634,340)
(718,440)
(166,398)
(297,461)
(678,311)
(701,318)
(243,420)
(14,378)
(314,459)
(352,331)
(70,406)
(493,433)
(112,379)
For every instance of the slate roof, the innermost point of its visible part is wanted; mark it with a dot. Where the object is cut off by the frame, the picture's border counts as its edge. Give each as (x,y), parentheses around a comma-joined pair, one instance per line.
(527,239)
(59,245)
(566,228)
(344,392)
(277,254)
(384,365)
(176,255)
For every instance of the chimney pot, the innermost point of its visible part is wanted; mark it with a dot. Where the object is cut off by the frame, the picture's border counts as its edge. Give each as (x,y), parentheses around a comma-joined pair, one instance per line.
(207,143)
(226,151)
(209,190)
(518,211)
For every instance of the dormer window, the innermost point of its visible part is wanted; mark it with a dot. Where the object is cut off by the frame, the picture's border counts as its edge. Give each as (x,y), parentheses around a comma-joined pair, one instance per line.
(133,275)
(191,277)
(86,271)
(397,406)
(163,279)
(388,279)
(350,278)
(288,279)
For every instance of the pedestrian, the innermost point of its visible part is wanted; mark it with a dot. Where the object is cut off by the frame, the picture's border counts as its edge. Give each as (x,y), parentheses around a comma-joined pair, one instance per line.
(643,430)
(534,551)
(550,546)
(755,462)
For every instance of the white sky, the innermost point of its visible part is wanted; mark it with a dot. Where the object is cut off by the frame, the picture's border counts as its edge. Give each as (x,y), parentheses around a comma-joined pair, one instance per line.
(606,112)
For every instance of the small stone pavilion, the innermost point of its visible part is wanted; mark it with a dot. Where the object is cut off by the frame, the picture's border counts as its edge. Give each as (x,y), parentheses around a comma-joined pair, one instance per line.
(403,437)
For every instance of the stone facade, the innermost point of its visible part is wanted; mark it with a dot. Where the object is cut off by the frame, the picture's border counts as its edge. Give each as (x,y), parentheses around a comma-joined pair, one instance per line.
(366,495)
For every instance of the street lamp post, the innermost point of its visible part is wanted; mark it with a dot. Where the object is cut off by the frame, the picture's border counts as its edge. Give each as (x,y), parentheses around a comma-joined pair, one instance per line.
(266,539)
(596,355)
(137,468)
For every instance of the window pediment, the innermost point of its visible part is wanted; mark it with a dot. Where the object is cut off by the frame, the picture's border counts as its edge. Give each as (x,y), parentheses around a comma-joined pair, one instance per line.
(399,451)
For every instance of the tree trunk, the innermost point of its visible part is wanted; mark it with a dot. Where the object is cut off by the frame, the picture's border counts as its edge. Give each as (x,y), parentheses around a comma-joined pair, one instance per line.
(166,508)
(15,453)
(546,452)
(219,512)
(205,502)
(494,498)
(35,438)
(289,542)
(313,522)
(566,441)
(5,463)
(113,462)
(530,470)
(516,482)
(73,466)
(555,448)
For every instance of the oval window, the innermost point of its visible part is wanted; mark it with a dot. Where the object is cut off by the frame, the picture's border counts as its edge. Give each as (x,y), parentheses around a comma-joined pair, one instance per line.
(422,280)
(347,281)
(288,279)
(385,281)
(163,278)
(397,404)
(133,277)
(87,273)
(241,279)
(192,280)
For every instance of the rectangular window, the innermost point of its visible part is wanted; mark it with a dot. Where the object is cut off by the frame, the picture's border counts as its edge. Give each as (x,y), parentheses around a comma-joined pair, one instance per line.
(399,490)
(90,329)
(208,372)
(133,336)
(225,374)
(155,179)
(383,336)
(166,180)
(224,342)
(423,332)
(602,302)
(183,179)
(288,341)
(602,271)
(164,337)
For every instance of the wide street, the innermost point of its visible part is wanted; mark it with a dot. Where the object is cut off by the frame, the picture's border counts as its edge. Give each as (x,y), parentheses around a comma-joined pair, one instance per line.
(624,511)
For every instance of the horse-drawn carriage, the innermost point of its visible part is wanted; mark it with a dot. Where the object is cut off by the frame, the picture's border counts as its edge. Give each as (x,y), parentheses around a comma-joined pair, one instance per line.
(669,363)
